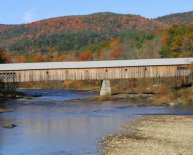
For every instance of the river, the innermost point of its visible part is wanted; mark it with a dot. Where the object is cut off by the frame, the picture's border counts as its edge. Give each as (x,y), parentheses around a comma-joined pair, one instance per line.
(48,125)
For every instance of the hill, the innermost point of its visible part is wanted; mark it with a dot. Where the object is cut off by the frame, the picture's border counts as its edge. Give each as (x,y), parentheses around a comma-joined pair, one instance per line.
(177,18)
(98,36)
(69,33)
(4,27)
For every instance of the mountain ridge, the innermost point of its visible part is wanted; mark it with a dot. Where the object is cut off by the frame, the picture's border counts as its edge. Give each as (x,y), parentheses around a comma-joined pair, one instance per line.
(177,18)
(161,18)
(72,32)
(97,36)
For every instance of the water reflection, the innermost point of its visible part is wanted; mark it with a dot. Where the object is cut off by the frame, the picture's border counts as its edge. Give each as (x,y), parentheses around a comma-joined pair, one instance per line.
(49,127)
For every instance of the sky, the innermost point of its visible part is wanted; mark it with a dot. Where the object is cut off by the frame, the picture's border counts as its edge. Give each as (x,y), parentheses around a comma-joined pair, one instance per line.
(26,11)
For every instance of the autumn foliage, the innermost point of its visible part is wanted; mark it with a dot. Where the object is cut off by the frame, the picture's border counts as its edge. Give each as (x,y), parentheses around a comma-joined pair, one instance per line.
(72,32)
(114,42)
(178,41)
(116,53)
(20,59)
(100,36)
(85,56)
(4,57)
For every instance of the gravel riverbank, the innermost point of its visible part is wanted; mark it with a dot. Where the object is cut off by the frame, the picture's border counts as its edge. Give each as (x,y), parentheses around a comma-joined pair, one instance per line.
(153,135)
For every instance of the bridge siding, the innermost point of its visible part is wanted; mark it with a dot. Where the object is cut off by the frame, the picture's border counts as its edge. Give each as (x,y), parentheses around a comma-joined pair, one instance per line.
(98,73)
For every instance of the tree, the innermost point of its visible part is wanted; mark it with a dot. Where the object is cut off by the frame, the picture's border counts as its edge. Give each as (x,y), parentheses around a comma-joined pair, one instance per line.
(3,56)
(178,41)
(20,59)
(85,56)
(116,53)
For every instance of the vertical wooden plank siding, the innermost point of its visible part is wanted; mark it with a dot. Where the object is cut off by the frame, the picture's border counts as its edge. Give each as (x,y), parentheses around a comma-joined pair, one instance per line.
(99,73)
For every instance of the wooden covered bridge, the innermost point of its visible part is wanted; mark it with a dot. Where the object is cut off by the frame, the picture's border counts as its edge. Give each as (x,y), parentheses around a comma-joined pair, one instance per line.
(96,70)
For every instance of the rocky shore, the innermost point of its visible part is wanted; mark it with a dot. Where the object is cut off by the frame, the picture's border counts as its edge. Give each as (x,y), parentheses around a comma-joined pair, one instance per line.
(153,135)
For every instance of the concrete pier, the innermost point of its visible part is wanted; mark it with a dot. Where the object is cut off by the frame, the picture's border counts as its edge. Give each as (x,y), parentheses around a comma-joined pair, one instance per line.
(105,88)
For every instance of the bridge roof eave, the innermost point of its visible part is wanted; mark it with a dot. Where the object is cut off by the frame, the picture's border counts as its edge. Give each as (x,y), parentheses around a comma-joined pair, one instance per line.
(95,64)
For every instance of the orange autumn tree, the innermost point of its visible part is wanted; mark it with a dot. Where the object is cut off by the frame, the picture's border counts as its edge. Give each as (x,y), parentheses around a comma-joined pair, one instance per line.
(116,53)
(85,56)
(114,42)
(99,55)
(38,58)
(62,57)
(20,59)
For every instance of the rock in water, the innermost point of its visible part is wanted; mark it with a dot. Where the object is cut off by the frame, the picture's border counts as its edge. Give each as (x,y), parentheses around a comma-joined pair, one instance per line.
(9,126)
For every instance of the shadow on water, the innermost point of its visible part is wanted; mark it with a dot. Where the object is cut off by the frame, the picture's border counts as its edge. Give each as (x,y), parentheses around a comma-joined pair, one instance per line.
(49,126)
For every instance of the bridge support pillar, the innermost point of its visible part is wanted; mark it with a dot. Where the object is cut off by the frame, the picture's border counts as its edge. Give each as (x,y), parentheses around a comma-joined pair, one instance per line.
(105,88)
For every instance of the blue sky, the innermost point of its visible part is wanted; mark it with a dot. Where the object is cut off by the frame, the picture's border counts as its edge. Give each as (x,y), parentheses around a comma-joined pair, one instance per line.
(25,11)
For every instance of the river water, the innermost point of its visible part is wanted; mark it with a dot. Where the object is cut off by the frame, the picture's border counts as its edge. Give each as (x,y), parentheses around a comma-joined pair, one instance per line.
(48,125)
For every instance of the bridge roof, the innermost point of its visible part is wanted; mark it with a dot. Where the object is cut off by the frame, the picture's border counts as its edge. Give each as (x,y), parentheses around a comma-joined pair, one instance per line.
(95,64)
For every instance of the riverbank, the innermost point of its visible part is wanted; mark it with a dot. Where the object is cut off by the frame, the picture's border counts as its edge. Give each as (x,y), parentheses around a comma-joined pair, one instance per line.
(134,99)
(169,97)
(153,135)
(138,99)
(15,95)
(12,96)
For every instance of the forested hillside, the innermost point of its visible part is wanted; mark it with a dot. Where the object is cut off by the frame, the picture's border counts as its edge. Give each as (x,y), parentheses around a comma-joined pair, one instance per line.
(177,41)
(66,34)
(177,18)
(4,27)
(100,36)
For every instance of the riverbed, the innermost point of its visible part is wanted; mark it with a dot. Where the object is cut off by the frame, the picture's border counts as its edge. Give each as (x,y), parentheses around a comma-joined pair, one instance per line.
(153,135)
(49,125)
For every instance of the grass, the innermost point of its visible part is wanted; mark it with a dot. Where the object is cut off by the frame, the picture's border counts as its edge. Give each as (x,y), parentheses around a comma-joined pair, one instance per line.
(182,96)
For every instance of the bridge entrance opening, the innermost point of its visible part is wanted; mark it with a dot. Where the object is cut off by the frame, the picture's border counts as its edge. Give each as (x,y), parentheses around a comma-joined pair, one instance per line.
(8,84)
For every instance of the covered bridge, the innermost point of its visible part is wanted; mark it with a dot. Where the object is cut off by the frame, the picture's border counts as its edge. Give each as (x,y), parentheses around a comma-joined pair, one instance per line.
(96,70)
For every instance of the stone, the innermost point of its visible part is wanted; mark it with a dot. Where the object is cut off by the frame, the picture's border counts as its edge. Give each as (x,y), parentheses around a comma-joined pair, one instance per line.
(173,104)
(9,126)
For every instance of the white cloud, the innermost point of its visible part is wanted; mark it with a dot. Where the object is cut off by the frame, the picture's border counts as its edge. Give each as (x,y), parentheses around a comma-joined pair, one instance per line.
(29,16)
